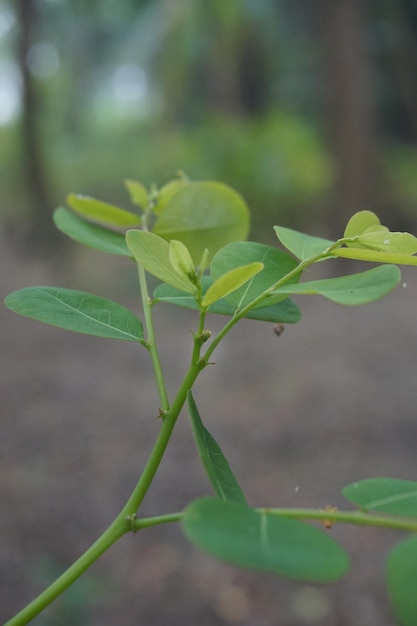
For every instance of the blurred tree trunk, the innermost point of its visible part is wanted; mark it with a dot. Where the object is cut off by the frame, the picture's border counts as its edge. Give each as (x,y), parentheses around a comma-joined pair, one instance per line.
(40,224)
(348,105)
(404,59)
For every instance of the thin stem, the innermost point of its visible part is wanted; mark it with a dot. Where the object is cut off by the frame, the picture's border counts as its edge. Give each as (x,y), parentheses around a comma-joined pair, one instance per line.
(358,518)
(168,423)
(147,522)
(151,340)
(254,303)
(242,312)
(125,521)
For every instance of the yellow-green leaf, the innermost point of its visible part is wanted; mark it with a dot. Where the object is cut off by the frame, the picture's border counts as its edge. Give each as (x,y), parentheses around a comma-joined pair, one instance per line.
(204,215)
(102,211)
(359,222)
(376,256)
(152,252)
(181,259)
(137,192)
(230,281)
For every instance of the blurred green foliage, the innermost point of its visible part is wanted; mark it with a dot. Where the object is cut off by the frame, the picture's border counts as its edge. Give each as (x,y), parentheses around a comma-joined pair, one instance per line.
(228,91)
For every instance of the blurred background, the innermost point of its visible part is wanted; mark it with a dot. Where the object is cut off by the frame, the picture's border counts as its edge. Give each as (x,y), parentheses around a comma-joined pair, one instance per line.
(310,111)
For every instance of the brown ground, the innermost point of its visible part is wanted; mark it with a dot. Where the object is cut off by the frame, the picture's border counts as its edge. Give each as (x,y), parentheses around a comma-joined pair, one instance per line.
(331,401)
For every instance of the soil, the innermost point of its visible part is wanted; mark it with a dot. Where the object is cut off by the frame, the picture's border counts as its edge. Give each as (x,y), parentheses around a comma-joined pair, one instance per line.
(330,401)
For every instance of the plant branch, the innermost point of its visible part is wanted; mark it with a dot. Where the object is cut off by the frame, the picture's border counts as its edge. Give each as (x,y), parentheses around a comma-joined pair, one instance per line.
(358,518)
(242,312)
(125,521)
(147,522)
(168,423)
(151,340)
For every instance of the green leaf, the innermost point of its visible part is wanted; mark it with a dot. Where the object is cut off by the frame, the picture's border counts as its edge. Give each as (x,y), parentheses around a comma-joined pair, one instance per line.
(214,462)
(204,215)
(375,256)
(276,265)
(230,281)
(285,311)
(385,241)
(137,193)
(388,495)
(89,234)
(167,192)
(352,290)
(77,311)
(256,540)
(301,245)
(152,252)
(102,211)
(181,259)
(401,579)
(359,222)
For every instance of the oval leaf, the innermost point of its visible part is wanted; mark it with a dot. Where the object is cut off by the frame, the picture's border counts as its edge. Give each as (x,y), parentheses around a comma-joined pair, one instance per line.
(167,192)
(137,192)
(152,252)
(229,282)
(394,243)
(204,215)
(375,256)
(285,311)
(89,234)
(276,265)
(215,463)
(389,495)
(256,540)
(359,222)
(102,211)
(181,259)
(301,245)
(401,579)
(351,290)
(77,311)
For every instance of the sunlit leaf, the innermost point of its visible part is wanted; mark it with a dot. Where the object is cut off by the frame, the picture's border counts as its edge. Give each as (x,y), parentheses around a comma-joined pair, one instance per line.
(375,256)
(276,265)
(354,289)
(167,192)
(386,241)
(102,211)
(256,540)
(401,579)
(359,222)
(77,311)
(152,252)
(230,281)
(137,193)
(215,463)
(204,215)
(89,234)
(388,495)
(181,259)
(285,311)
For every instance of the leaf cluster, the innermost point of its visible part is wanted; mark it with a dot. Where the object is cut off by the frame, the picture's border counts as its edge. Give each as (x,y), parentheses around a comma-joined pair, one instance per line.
(191,236)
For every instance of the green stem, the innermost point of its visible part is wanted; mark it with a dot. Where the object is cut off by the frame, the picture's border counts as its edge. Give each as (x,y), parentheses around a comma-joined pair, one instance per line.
(125,521)
(168,423)
(358,518)
(147,522)
(151,340)
(242,312)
